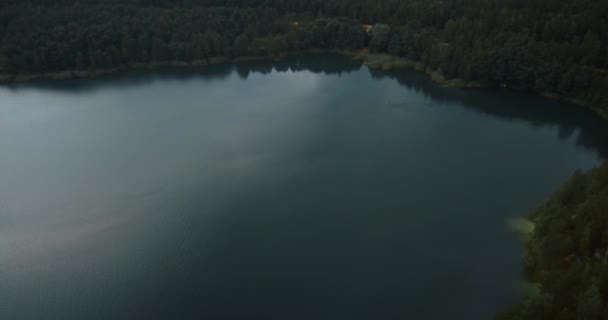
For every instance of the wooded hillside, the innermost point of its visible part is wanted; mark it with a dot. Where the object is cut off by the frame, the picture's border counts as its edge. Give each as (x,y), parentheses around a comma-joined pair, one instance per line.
(548,46)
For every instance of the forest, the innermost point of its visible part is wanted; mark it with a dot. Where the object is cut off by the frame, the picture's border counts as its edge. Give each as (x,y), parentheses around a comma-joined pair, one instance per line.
(568,253)
(550,47)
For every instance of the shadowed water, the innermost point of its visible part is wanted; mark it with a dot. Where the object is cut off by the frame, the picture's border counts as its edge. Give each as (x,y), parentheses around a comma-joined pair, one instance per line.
(309,188)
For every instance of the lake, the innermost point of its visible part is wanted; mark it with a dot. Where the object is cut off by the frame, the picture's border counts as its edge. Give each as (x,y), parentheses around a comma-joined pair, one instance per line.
(307,188)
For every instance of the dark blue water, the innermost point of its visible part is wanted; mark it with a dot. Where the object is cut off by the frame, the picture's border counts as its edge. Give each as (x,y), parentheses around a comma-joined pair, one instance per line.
(309,188)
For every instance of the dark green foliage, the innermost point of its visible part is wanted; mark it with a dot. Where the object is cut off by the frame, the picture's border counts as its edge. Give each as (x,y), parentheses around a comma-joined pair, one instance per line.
(546,46)
(538,45)
(380,37)
(567,252)
(43,38)
(394,45)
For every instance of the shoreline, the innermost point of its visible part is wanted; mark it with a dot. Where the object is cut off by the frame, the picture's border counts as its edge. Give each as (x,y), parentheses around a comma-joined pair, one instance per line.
(381,62)
(386,62)
(8,79)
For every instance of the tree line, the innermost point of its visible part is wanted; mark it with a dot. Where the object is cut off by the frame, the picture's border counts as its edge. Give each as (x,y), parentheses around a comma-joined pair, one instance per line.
(44,38)
(547,46)
(568,253)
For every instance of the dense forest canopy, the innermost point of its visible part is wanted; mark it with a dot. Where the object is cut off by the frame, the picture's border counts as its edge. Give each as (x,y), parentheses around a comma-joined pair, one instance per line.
(547,46)
(568,253)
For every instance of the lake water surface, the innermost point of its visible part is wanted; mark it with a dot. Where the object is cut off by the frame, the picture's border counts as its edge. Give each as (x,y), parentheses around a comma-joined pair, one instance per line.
(309,188)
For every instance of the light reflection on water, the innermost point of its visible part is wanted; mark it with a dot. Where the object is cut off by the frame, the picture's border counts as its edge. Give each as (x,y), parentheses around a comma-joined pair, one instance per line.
(243,192)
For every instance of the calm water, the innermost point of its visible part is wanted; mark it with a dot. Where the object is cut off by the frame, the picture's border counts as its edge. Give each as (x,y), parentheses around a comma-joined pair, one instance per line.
(305,189)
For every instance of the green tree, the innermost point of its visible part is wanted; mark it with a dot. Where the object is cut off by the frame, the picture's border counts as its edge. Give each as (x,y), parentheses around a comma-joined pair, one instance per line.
(380,36)
(590,305)
(4,62)
(394,45)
